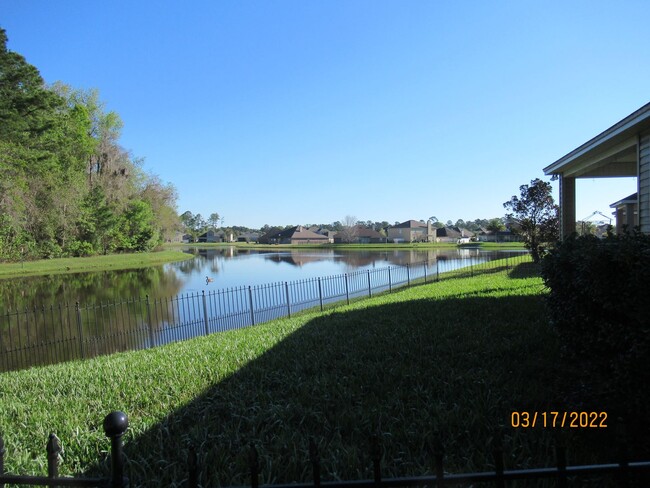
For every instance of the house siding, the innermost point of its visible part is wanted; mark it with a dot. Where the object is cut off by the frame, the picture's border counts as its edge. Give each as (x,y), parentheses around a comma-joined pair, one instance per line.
(644,182)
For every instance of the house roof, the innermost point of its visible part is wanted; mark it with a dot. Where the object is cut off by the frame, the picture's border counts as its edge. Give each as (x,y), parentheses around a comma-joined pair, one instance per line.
(454,232)
(613,152)
(299,232)
(409,224)
(633,198)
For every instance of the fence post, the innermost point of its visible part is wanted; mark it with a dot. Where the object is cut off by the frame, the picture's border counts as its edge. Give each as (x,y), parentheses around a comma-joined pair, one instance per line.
(390,284)
(80,330)
(498,463)
(347,289)
(425,271)
(205,313)
(320,294)
(53,450)
(315,462)
(192,466)
(151,339)
(254,466)
(560,454)
(286,290)
(250,301)
(437,270)
(115,425)
(408,274)
(375,453)
(369,289)
(438,455)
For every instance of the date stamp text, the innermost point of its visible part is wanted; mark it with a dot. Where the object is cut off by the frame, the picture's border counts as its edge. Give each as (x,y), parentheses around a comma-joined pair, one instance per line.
(554,420)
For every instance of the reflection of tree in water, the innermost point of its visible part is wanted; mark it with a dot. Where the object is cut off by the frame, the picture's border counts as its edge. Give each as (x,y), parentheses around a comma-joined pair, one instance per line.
(87,288)
(40,323)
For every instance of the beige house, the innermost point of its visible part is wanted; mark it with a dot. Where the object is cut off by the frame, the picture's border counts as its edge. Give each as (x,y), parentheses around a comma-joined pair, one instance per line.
(620,151)
(412,231)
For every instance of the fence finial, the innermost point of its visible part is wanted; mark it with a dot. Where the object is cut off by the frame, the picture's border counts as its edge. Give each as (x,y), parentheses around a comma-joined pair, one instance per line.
(115,425)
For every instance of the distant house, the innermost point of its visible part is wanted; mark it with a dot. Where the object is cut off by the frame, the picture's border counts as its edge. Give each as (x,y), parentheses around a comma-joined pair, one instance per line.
(298,235)
(412,231)
(215,236)
(210,236)
(359,235)
(627,213)
(323,231)
(175,237)
(269,235)
(453,234)
(248,237)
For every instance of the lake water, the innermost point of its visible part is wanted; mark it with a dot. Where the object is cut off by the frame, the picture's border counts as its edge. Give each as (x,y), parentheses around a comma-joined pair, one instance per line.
(58,318)
(228,267)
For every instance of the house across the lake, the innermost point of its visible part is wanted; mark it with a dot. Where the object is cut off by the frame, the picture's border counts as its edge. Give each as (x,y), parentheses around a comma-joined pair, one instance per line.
(412,231)
(453,234)
(359,235)
(623,150)
(215,236)
(297,235)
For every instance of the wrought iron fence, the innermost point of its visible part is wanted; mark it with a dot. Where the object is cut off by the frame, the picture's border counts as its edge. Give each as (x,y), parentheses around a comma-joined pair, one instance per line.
(65,331)
(622,473)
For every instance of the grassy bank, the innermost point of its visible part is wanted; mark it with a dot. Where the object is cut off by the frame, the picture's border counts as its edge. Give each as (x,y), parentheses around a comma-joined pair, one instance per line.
(450,360)
(93,263)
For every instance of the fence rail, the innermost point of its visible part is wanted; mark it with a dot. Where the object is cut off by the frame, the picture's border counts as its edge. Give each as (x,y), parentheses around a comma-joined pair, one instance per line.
(116,423)
(63,332)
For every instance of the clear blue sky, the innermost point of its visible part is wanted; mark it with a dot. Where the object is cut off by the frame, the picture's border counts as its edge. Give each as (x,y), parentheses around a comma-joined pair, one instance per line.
(295,112)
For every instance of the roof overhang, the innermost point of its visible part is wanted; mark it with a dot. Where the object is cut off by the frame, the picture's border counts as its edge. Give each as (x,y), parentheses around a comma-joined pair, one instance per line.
(612,153)
(632,199)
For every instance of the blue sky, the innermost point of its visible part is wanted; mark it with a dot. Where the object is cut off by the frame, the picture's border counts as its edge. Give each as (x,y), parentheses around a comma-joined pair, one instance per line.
(295,112)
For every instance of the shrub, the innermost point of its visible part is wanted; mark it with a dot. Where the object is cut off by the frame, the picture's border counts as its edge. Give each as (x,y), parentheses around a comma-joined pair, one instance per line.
(81,249)
(598,303)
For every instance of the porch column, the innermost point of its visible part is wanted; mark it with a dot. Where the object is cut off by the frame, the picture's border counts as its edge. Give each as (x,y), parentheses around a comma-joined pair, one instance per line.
(567,206)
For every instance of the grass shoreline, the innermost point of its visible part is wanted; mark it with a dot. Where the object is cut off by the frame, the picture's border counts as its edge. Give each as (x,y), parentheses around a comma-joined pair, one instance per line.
(89,264)
(453,358)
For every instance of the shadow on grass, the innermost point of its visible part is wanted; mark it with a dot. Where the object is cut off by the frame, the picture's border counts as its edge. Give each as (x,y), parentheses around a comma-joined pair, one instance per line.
(413,371)
(526,270)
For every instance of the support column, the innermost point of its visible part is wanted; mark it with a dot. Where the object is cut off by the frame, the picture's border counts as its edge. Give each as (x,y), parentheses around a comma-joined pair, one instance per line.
(629,217)
(643,183)
(567,206)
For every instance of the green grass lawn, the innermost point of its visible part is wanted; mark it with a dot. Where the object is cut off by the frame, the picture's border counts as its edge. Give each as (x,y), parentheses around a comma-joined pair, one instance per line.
(93,263)
(448,361)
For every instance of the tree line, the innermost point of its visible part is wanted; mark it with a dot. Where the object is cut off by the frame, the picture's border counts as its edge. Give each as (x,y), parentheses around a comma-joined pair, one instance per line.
(67,187)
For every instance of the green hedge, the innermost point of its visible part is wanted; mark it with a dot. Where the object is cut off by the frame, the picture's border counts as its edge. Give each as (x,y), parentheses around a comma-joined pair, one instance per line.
(600,305)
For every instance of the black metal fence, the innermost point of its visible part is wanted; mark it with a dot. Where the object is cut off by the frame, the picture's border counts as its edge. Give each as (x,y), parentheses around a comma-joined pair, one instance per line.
(622,473)
(63,332)
(115,425)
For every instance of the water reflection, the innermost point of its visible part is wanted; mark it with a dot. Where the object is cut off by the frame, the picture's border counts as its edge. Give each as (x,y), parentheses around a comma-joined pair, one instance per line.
(57,318)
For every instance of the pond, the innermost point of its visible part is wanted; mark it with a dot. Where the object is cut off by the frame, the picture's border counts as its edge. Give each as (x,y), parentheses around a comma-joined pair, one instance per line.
(61,317)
